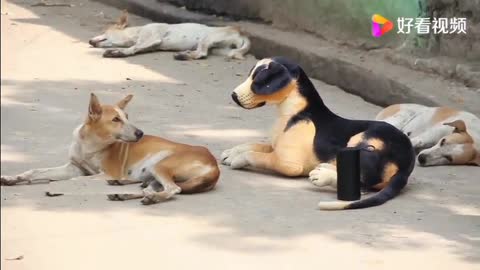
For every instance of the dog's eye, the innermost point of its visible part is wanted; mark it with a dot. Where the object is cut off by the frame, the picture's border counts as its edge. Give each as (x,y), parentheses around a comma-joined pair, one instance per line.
(116,119)
(442,142)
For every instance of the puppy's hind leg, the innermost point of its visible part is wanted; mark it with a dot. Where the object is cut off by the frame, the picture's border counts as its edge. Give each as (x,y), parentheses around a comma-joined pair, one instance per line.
(43,175)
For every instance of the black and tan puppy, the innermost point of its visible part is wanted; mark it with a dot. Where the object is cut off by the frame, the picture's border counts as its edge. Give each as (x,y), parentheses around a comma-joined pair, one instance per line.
(307,136)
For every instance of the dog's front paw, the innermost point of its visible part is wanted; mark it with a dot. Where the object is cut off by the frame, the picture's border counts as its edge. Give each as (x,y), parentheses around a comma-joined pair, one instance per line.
(240,161)
(6,180)
(229,155)
(324,175)
(113,53)
(152,197)
(226,157)
(115,197)
(156,198)
(114,182)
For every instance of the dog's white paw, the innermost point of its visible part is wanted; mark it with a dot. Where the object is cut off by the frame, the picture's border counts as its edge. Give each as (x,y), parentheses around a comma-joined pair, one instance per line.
(324,174)
(6,180)
(230,154)
(240,161)
(225,157)
(152,197)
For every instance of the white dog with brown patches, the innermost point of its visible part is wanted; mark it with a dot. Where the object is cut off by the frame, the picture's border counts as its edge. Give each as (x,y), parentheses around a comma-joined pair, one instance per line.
(108,147)
(193,40)
(441,135)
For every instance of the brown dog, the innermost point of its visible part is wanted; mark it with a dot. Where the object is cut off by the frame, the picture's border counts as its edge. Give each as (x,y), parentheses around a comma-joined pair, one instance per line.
(107,146)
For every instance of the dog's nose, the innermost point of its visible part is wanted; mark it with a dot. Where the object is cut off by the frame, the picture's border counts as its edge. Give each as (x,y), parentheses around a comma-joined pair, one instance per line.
(422,158)
(235,98)
(91,42)
(138,133)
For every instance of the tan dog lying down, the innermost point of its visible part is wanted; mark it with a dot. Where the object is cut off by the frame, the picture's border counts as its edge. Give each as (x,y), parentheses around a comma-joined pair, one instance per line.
(193,40)
(108,147)
(442,135)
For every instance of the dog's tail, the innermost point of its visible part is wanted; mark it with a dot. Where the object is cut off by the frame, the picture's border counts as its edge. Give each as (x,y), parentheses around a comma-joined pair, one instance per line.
(393,188)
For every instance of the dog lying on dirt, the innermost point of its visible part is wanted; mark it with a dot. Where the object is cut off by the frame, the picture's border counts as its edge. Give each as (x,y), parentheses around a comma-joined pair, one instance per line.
(108,147)
(441,135)
(192,40)
(307,136)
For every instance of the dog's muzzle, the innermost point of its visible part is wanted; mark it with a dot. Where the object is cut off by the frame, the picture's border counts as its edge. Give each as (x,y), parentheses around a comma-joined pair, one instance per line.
(235,98)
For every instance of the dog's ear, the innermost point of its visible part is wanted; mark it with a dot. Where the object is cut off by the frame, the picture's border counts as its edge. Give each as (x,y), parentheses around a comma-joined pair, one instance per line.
(459,126)
(94,108)
(123,20)
(268,79)
(292,67)
(124,102)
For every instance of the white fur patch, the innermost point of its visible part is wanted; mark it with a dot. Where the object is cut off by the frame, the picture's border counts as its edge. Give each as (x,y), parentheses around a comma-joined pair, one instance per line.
(122,114)
(143,168)
(334,205)
(240,161)
(324,174)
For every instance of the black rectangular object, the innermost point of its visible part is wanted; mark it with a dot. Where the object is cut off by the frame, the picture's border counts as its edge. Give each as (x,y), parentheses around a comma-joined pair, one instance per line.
(348,174)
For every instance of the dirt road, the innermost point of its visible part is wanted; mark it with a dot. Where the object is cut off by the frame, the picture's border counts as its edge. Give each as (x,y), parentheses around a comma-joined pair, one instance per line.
(251,220)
